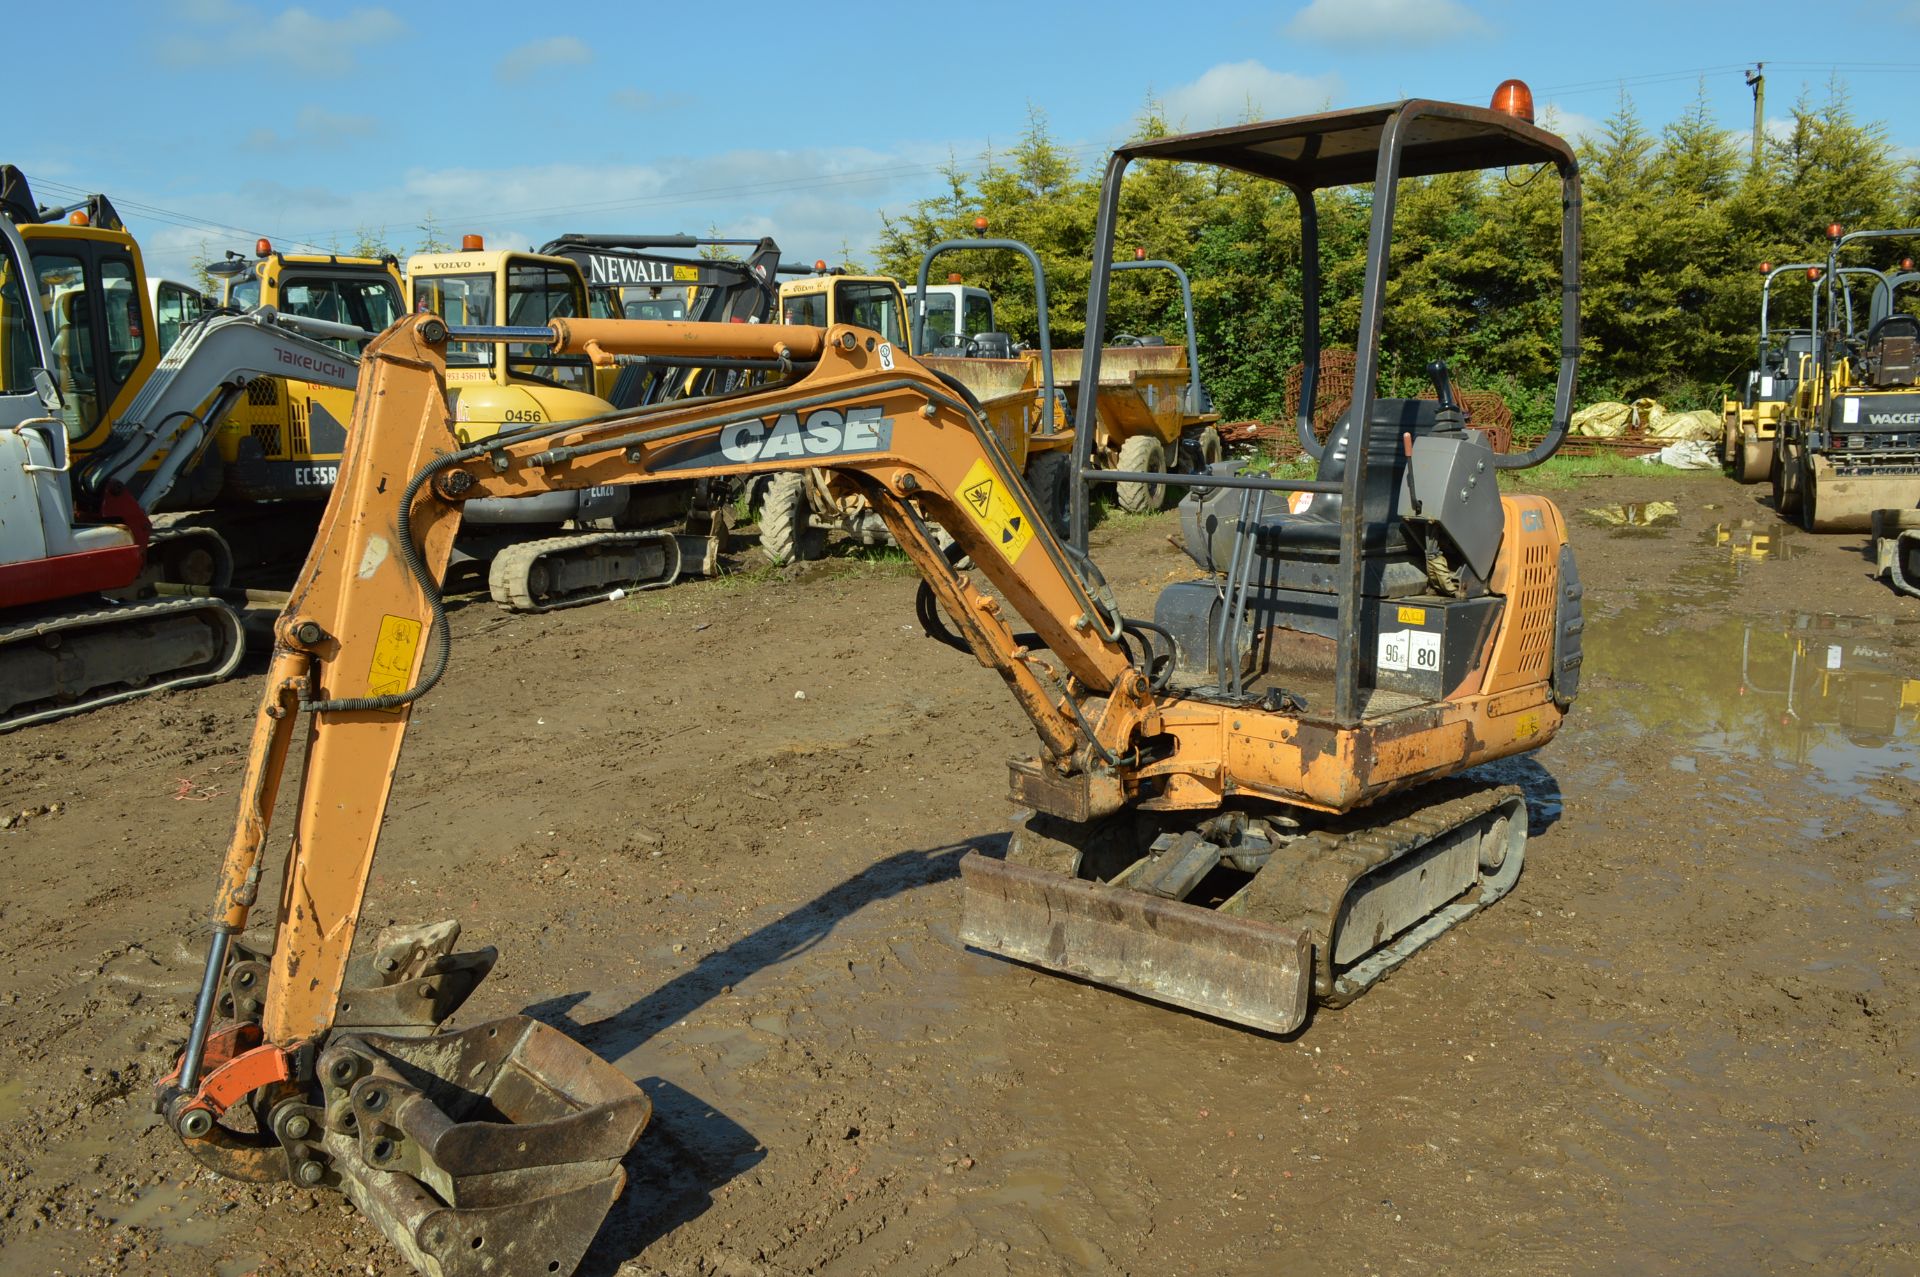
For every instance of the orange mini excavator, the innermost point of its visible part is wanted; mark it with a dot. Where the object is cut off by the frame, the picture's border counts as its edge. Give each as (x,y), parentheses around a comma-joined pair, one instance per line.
(1259,798)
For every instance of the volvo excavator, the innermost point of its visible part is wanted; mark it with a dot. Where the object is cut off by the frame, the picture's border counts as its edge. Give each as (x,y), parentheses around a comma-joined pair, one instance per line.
(74,531)
(1260,799)
(562,548)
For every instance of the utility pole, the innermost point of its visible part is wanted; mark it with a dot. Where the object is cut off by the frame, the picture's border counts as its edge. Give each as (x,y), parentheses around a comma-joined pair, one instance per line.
(1757,81)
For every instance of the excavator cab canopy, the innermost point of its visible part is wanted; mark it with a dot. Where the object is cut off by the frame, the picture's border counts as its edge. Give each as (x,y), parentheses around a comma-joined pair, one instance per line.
(1353,512)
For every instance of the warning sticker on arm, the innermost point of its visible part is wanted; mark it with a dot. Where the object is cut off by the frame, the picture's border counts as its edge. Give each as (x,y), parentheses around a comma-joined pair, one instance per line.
(984,496)
(393,653)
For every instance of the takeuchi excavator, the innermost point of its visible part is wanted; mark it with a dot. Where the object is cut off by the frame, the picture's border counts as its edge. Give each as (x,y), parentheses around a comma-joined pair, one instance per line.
(75,366)
(1259,799)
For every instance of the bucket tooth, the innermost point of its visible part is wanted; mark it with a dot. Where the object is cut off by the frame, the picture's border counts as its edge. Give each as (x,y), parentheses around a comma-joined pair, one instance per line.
(493,1150)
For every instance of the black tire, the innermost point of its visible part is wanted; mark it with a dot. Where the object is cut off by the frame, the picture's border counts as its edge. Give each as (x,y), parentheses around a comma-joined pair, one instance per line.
(787,533)
(1786,494)
(1141,453)
(1050,480)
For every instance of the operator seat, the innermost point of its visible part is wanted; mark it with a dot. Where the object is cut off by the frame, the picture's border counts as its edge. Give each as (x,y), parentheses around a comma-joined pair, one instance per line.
(1893,351)
(1384,530)
(992,346)
(1300,548)
(1294,579)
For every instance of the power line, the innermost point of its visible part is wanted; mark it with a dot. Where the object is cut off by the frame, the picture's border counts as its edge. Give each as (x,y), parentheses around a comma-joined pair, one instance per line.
(174,217)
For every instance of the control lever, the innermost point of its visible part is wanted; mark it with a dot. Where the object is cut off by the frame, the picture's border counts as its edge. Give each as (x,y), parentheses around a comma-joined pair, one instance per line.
(1449,417)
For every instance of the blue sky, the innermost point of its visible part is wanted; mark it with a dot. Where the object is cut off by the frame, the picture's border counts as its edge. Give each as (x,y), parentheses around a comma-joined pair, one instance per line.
(212,121)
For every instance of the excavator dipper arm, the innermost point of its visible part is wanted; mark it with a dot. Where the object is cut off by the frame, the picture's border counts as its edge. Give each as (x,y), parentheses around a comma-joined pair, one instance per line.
(364,636)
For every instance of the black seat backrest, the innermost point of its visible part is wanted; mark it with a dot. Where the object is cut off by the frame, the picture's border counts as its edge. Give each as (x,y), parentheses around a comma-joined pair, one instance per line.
(992,346)
(1386,458)
(1899,325)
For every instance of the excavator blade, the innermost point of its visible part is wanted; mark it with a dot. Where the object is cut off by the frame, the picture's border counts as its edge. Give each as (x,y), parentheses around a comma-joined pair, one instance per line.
(1248,972)
(494,1150)
(1327,914)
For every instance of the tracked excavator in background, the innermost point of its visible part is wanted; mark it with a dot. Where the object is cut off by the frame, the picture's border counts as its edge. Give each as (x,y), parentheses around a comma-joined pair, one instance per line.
(1261,798)
(74,531)
(281,442)
(561,548)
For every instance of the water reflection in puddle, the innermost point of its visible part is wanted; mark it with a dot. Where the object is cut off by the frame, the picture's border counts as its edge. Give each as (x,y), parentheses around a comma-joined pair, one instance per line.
(1747,541)
(1828,697)
(1633,514)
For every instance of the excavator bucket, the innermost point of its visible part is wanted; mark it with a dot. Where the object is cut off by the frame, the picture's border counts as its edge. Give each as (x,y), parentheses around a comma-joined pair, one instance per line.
(1249,972)
(494,1150)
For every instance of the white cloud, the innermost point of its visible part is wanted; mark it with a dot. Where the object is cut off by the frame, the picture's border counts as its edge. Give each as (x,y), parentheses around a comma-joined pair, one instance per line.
(812,201)
(1571,125)
(529,60)
(1378,22)
(1777,128)
(296,39)
(315,128)
(1235,91)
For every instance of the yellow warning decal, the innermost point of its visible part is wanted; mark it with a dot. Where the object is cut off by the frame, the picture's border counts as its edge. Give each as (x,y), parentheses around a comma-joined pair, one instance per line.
(1413,616)
(393,653)
(986,500)
(1526,727)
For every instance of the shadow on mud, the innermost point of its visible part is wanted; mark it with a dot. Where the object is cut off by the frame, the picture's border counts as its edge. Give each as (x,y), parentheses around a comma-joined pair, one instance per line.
(1542,788)
(690,1150)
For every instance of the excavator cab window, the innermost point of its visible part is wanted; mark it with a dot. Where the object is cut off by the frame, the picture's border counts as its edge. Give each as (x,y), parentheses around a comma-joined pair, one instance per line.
(459,299)
(174,307)
(18,358)
(940,321)
(244,295)
(976,315)
(126,338)
(372,303)
(807,308)
(538,295)
(63,291)
(665,308)
(869,304)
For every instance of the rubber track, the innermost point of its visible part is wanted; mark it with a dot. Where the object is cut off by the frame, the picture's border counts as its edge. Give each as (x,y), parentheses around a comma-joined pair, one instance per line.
(507,578)
(1314,880)
(30,631)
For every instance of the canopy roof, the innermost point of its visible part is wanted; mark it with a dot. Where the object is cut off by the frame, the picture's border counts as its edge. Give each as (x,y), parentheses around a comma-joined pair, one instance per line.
(1340,148)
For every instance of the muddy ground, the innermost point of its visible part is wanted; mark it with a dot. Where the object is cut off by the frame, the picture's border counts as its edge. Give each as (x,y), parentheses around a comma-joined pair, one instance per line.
(1685,1043)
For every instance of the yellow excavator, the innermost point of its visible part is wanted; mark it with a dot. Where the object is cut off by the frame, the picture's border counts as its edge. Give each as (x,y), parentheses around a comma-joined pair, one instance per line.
(283,441)
(560,548)
(1257,800)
